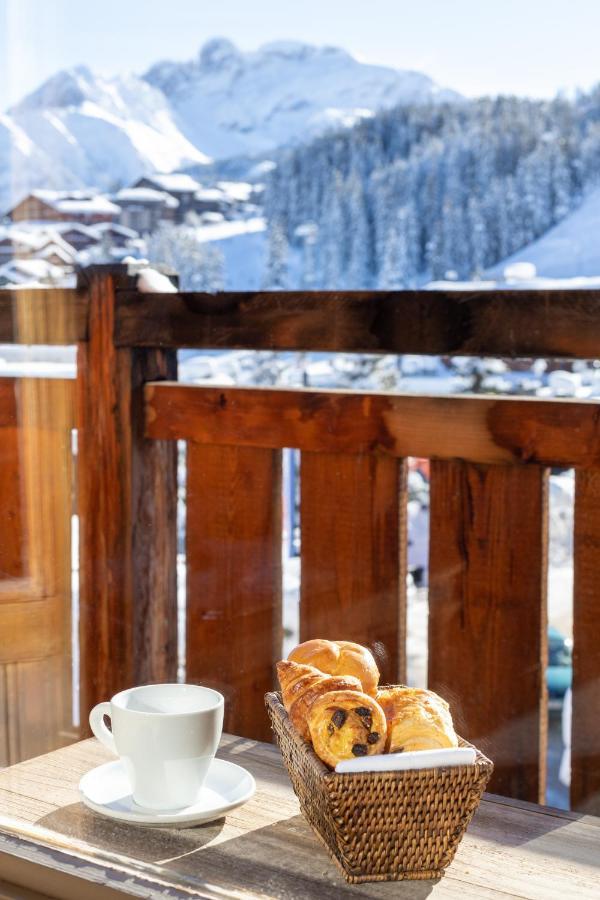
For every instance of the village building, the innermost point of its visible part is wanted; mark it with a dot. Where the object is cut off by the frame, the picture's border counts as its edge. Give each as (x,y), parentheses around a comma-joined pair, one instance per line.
(179,185)
(144,208)
(84,207)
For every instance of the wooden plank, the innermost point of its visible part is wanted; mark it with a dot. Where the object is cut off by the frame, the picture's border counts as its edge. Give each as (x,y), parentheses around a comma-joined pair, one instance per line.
(480,323)
(353,554)
(266,848)
(35,705)
(585,738)
(487,614)
(234,578)
(43,316)
(127,502)
(30,625)
(12,537)
(4,741)
(8,402)
(481,429)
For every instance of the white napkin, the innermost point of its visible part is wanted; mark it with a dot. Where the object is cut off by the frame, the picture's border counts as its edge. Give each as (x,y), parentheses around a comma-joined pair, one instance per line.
(415,759)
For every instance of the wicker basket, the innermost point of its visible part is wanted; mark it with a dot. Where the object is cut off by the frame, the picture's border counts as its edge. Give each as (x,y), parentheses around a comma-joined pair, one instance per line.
(382,826)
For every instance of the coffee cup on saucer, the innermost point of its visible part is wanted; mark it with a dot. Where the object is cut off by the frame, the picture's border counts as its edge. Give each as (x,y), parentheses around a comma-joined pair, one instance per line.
(166,736)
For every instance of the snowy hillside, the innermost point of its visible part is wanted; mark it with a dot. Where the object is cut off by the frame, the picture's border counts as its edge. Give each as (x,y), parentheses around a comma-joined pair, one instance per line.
(231,103)
(79,129)
(569,250)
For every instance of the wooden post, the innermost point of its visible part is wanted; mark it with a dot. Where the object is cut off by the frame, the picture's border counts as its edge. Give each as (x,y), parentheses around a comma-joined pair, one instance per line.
(585,739)
(127,507)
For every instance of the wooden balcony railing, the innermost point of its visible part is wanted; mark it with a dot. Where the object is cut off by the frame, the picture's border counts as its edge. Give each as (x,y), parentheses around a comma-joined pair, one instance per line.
(488,522)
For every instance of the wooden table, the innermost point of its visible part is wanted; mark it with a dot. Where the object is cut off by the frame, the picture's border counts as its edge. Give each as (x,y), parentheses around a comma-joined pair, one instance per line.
(54,846)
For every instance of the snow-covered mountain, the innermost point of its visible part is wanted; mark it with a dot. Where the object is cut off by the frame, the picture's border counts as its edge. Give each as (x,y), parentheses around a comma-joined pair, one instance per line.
(230,103)
(82,129)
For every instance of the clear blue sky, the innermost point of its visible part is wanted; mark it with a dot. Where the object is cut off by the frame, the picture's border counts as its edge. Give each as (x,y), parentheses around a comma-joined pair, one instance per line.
(533,47)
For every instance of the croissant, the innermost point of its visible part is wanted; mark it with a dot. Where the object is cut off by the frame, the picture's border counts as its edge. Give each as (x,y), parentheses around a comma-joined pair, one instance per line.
(340,658)
(293,680)
(346,724)
(301,687)
(416,720)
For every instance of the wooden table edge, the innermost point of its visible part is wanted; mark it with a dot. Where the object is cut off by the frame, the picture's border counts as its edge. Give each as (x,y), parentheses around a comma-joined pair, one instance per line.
(52,871)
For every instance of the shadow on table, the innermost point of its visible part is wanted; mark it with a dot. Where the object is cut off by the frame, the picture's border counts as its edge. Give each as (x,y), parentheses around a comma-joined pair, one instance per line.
(283,860)
(161,846)
(510,823)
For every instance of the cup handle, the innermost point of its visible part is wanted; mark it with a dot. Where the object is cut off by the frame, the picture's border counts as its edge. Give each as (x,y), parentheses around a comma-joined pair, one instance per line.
(99,728)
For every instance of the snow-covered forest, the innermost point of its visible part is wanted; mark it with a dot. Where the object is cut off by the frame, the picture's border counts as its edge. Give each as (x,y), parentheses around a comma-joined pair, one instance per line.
(430,192)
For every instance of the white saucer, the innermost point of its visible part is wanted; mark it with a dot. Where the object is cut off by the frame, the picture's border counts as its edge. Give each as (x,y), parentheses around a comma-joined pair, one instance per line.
(106,790)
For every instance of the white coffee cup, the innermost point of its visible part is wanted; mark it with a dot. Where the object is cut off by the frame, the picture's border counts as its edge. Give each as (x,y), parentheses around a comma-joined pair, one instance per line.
(166,736)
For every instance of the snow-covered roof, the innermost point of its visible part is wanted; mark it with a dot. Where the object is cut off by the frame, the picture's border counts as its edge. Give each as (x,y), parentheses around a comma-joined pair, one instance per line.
(238,190)
(174,182)
(102,227)
(75,202)
(23,271)
(93,206)
(146,195)
(68,257)
(210,195)
(34,240)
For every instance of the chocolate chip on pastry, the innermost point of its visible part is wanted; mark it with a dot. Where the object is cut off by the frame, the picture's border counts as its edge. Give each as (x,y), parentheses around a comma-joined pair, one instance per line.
(345,724)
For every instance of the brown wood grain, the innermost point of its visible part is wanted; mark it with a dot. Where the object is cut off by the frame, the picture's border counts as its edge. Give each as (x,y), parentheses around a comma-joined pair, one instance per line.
(127,507)
(233,536)
(353,561)
(57,315)
(266,849)
(487,614)
(481,323)
(12,538)
(481,429)
(12,563)
(585,738)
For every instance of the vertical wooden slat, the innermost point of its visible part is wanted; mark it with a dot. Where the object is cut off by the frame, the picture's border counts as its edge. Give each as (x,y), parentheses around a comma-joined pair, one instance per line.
(127,504)
(11,514)
(585,738)
(4,715)
(233,537)
(12,563)
(353,554)
(487,613)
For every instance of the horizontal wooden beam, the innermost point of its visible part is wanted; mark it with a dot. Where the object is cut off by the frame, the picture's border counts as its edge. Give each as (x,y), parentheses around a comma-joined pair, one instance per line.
(476,323)
(43,316)
(479,429)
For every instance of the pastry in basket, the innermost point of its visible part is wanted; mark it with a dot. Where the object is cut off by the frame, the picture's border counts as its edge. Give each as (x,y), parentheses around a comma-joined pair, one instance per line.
(346,724)
(300,687)
(416,720)
(339,658)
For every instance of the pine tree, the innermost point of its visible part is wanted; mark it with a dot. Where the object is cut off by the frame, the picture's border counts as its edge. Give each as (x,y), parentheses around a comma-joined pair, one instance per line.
(199,266)
(276,273)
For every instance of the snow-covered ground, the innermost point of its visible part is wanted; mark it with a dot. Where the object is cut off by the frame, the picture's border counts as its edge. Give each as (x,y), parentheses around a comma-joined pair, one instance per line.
(570,251)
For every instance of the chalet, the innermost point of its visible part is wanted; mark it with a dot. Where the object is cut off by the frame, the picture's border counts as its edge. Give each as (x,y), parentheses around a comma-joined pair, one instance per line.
(83,207)
(36,243)
(143,209)
(179,185)
(30,271)
(212,200)
(114,234)
(81,237)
